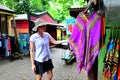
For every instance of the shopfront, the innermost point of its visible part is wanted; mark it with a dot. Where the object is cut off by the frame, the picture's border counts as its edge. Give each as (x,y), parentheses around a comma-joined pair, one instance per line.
(5,30)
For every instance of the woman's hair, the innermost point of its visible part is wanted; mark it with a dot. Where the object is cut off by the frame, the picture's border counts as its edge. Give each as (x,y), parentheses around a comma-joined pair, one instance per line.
(38,28)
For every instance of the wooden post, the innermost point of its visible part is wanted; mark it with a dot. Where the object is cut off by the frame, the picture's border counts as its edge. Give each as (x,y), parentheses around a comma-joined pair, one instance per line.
(14,23)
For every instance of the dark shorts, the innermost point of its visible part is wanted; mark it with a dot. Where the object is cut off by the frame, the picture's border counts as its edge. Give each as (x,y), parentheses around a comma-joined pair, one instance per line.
(41,68)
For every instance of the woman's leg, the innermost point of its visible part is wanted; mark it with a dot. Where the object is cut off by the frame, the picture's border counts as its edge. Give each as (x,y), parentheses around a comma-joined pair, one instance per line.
(39,77)
(49,75)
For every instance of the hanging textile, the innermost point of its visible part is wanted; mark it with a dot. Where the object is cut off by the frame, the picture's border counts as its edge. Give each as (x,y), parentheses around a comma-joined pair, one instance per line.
(9,45)
(111,60)
(102,43)
(85,40)
(118,47)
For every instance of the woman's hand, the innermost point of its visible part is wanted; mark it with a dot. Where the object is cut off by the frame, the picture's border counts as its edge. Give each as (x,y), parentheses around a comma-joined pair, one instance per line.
(33,68)
(68,39)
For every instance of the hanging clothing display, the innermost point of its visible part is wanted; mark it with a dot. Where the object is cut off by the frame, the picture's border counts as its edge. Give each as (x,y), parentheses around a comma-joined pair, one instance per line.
(118,48)
(9,45)
(2,50)
(6,45)
(85,39)
(111,60)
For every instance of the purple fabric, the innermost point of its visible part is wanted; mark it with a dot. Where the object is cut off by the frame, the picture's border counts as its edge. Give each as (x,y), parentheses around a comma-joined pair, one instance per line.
(85,39)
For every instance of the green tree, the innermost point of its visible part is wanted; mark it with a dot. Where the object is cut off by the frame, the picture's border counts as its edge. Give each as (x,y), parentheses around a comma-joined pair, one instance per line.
(58,9)
(7,3)
(22,6)
(36,6)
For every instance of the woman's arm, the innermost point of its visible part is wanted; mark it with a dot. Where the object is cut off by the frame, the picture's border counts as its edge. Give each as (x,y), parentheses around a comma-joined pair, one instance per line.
(52,40)
(32,56)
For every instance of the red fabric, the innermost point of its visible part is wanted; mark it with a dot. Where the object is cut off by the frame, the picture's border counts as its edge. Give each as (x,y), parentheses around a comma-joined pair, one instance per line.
(103,26)
(118,47)
(102,32)
(70,27)
(9,45)
(119,72)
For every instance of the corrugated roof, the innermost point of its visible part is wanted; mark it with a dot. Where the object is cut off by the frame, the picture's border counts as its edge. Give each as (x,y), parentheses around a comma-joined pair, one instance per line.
(24,16)
(21,17)
(4,8)
(53,24)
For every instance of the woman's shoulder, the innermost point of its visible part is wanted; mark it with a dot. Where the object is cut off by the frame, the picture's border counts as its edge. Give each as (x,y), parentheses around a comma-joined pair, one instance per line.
(33,35)
(47,34)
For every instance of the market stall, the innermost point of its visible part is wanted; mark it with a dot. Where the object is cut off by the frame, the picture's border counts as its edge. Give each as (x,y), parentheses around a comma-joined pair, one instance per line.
(109,55)
(87,37)
(108,61)
(5,31)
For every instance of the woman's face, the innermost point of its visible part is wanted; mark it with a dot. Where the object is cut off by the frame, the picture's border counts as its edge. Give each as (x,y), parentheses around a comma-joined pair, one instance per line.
(42,28)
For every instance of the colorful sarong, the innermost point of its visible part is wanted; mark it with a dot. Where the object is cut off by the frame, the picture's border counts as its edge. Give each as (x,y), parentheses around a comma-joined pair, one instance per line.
(111,61)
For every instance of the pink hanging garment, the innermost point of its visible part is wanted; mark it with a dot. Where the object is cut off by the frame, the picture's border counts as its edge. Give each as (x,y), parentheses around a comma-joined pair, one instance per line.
(9,45)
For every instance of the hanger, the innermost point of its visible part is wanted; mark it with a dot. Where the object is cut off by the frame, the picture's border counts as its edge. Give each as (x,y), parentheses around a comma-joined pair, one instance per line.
(91,9)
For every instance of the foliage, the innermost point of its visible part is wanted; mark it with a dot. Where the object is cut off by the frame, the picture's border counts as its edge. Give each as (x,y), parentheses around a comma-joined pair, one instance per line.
(6,3)
(22,7)
(58,9)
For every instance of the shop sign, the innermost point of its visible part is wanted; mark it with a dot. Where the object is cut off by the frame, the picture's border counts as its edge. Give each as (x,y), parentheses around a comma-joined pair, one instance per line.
(69,25)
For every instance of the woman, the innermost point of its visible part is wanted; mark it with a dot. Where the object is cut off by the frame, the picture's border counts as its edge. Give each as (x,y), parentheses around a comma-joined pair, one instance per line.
(39,50)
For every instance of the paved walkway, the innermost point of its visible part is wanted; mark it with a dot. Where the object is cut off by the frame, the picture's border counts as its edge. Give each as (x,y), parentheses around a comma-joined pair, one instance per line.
(21,69)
